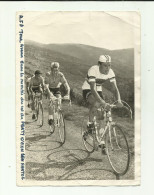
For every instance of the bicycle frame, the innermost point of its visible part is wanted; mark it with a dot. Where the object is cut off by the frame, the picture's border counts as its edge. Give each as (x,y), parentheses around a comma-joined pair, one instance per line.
(110,138)
(36,98)
(57,108)
(109,122)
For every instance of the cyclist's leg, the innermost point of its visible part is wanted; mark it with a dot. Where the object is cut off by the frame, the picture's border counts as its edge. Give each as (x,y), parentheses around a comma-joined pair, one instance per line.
(93,105)
(32,101)
(29,97)
(58,95)
(50,109)
(32,105)
(41,93)
(33,90)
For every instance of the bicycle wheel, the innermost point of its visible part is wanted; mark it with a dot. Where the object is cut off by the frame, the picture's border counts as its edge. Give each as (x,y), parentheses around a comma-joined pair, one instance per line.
(87,138)
(40,114)
(61,127)
(117,150)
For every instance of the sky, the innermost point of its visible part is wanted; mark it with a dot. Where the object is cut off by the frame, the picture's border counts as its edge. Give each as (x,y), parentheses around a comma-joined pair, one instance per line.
(110,30)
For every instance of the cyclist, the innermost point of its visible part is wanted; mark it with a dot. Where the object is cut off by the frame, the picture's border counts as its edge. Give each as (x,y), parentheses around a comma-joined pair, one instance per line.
(92,87)
(27,79)
(53,81)
(36,85)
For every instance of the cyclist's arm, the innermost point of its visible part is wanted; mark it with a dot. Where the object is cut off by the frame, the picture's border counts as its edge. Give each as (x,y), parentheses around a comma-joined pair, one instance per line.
(43,84)
(46,80)
(49,93)
(65,83)
(116,90)
(95,94)
(27,87)
(67,88)
(30,85)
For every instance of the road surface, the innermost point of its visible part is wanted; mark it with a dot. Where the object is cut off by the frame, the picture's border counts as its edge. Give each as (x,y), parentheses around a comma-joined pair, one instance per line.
(47,159)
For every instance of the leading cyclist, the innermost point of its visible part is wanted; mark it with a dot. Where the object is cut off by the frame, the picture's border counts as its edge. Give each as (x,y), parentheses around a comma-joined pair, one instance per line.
(53,81)
(92,87)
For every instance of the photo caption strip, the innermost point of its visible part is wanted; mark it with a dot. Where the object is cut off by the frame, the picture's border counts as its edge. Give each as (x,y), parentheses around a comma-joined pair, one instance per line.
(20,97)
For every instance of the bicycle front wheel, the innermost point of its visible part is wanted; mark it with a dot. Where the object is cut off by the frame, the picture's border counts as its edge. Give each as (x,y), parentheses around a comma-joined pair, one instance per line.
(117,150)
(40,114)
(87,137)
(36,109)
(61,127)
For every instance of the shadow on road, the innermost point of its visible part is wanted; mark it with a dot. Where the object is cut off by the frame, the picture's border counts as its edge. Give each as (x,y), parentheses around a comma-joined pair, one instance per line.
(36,138)
(40,143)
(67,164)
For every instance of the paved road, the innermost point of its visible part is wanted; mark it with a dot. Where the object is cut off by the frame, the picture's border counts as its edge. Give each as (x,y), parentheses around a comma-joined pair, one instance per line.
(47,159)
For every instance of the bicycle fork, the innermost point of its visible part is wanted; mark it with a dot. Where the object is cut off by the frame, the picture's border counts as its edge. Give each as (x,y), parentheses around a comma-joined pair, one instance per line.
(98,137)
(110,137)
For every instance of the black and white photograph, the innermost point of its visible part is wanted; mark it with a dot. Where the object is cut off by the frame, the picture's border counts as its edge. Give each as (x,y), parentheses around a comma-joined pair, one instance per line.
(78,98)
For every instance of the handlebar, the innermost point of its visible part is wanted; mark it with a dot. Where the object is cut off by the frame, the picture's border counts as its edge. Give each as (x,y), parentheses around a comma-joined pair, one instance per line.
(127,107)
(60,98)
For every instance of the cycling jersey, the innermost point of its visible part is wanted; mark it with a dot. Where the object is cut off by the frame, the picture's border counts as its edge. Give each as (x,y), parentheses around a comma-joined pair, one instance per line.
(54,81)
(36,81)
(94,75)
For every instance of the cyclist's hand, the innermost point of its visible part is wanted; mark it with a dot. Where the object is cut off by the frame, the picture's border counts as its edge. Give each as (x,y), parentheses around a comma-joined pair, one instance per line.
(107,107)
(119,104)
(66,97)
(53,98)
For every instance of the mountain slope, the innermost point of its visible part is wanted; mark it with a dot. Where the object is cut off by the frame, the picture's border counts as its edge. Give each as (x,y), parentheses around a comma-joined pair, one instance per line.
(76,59)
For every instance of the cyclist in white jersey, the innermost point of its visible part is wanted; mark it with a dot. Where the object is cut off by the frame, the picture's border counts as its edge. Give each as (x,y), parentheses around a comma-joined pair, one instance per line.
(92,87)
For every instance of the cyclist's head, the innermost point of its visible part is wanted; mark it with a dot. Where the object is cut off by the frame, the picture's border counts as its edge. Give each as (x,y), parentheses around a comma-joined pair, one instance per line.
(54,66)
(104,63)
(38,73)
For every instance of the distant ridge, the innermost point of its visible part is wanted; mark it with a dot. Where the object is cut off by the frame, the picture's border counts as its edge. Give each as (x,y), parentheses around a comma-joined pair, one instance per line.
(122,60)
(76,59)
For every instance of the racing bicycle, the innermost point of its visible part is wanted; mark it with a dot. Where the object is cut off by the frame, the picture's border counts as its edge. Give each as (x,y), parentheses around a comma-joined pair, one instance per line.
(38,108)
(58,118)
(112,135)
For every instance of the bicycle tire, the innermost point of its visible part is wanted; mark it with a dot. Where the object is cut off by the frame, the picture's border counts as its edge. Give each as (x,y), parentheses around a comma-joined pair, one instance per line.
(87,139)
(61,127)
(37,109)
(117,150)
(40,114)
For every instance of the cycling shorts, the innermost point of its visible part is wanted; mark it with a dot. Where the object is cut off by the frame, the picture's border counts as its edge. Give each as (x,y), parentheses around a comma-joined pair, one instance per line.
(55,91)
(36,89)
(87,92)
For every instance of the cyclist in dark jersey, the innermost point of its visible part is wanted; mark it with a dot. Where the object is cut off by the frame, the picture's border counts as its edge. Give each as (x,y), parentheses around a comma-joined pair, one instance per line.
(36,84)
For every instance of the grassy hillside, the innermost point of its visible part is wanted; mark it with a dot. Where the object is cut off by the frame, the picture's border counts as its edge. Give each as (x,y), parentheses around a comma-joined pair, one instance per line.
(76,59)
(122,60)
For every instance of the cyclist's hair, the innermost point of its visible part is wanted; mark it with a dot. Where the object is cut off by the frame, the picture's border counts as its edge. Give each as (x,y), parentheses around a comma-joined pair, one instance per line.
(104,58)
(54,65)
